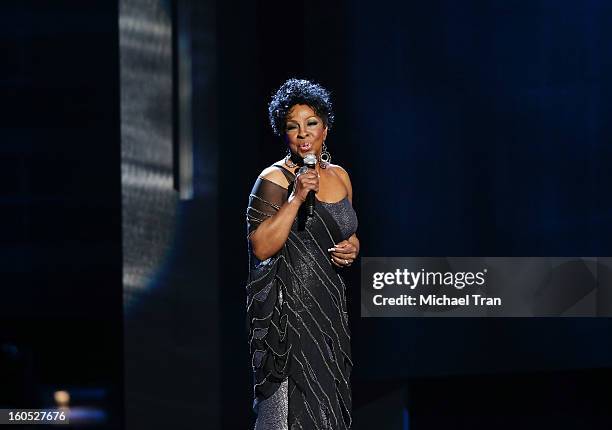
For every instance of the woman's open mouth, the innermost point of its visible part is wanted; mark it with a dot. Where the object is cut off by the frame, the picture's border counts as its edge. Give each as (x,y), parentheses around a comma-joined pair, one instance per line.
(305,147)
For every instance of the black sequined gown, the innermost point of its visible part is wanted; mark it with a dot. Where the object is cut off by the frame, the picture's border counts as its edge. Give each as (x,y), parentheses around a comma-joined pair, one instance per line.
(297,317)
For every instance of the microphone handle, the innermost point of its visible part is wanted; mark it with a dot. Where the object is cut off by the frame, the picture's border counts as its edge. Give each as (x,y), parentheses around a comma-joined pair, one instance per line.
(310,202)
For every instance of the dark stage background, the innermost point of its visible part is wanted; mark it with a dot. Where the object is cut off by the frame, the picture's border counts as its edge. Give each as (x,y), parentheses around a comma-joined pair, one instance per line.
(61,324)
(476,128)
(469,129)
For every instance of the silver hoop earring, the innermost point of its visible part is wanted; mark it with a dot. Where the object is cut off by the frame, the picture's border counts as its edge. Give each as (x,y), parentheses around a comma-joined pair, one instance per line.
(288,161)
(325,157)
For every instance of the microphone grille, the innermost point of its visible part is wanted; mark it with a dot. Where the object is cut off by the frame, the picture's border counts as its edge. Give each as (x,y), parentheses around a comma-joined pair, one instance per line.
(310,159)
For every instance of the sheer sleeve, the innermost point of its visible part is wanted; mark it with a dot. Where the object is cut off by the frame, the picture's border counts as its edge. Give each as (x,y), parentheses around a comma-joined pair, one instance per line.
(265,200)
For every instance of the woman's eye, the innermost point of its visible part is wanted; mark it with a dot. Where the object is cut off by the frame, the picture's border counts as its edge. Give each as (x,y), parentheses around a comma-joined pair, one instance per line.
(290,127)
(313,123)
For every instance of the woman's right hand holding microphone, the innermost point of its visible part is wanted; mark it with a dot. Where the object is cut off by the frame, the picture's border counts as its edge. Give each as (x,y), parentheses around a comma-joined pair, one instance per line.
(303,184)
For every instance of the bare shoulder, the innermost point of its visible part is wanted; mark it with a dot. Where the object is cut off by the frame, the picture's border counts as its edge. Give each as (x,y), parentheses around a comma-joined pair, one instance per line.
(273,174)
(340,172)
(343,175)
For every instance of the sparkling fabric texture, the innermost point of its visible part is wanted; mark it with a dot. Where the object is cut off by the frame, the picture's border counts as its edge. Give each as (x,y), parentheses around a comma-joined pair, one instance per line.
(345,216)
(272,412)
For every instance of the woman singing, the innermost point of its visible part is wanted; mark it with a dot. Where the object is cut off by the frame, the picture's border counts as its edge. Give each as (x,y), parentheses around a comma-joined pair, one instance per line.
(296,299)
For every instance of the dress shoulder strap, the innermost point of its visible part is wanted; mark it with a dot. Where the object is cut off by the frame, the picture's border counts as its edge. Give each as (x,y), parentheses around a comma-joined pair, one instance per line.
(290,176)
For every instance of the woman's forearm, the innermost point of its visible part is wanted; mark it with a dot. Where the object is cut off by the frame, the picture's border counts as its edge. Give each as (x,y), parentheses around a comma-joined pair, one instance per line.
(272,233)
(354,241)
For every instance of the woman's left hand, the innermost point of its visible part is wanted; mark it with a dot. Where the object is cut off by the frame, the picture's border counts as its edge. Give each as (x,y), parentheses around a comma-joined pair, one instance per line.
(343,254)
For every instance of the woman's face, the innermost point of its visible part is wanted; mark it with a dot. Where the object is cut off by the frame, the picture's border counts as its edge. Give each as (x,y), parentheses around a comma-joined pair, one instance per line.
(304,131)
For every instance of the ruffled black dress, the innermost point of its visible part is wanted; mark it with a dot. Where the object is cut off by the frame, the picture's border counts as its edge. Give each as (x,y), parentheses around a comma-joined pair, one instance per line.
(297,318)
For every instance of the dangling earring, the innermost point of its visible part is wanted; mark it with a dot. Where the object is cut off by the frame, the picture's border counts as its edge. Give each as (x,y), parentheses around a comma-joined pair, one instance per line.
(288,161)
(325,157)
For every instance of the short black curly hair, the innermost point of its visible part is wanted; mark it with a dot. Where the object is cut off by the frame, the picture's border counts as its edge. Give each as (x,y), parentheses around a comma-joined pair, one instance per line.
(299,91)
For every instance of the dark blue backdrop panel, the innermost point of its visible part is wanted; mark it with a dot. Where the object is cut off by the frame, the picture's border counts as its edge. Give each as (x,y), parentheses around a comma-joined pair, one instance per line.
(481,128)
(494,116)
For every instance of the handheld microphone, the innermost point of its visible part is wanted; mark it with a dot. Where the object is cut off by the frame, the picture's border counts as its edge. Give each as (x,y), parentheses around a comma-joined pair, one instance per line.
(310,161)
